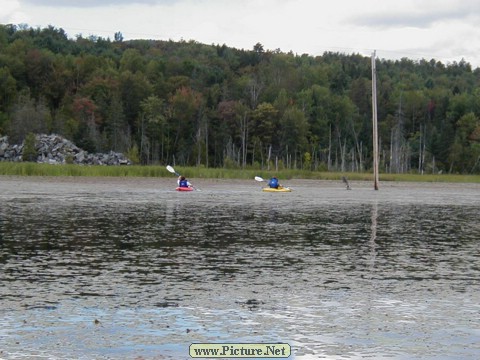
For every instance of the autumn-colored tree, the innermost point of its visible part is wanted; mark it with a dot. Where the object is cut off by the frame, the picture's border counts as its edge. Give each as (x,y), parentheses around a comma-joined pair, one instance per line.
(87,136)
(200,104)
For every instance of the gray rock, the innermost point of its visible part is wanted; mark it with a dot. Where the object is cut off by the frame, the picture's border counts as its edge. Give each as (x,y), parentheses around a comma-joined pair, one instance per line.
(55,149)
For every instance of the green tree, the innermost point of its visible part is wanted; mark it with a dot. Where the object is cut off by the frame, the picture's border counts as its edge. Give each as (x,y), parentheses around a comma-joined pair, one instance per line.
(27,116)
(132,61)
(134,88)
(265,126)
(133,154)
(29,148)
(8,89)
(118,36)
(153,129)
(294,127)
(265,123)
(465,150)
(184,112)
(217,99)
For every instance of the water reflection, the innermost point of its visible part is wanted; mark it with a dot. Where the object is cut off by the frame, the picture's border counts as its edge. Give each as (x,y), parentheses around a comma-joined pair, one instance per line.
(373,236)
(120,277)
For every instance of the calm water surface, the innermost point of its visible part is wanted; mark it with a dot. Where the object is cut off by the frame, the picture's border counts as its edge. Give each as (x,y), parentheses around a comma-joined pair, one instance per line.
(131,269)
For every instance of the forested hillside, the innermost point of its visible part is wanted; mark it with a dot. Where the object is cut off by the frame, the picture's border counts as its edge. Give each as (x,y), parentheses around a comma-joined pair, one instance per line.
(188,103)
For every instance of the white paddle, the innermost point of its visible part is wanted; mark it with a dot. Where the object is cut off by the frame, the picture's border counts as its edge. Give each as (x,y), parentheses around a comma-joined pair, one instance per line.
(172,170)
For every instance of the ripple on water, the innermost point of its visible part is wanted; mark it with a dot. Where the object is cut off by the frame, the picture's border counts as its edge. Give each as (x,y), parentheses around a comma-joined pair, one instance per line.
(92,272)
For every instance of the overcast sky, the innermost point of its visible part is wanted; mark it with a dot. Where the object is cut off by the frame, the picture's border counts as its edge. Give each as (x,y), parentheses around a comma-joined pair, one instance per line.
(446,30)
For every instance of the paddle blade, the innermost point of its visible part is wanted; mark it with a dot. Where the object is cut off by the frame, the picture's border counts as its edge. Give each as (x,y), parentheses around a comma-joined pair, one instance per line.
(258,178)
(171,169)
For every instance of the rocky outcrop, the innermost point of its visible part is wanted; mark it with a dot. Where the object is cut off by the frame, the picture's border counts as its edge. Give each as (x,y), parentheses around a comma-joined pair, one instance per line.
(54,149)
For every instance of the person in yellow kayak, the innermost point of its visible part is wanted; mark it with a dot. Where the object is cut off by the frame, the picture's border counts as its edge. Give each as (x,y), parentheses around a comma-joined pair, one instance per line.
(273,183)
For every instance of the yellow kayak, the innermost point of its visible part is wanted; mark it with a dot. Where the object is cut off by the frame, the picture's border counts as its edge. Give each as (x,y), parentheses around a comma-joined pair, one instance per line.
(279,189)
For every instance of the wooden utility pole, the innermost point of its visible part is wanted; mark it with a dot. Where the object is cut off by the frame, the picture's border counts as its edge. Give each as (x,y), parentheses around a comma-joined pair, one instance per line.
(375,126)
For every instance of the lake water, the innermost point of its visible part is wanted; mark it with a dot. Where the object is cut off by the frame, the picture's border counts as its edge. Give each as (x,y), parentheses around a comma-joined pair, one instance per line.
(130,269)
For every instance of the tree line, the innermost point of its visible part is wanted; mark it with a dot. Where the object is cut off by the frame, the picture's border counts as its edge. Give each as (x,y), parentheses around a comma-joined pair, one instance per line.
(188,103)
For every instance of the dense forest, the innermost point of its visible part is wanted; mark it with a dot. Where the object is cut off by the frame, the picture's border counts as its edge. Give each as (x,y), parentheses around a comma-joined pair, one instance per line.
(188,103)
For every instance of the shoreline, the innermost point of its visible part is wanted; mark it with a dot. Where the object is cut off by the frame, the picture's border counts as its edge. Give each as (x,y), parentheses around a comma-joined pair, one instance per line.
(159,171)
(170,182)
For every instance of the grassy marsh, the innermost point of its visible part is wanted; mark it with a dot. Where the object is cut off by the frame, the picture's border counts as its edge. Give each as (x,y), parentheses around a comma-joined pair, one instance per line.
(34,169)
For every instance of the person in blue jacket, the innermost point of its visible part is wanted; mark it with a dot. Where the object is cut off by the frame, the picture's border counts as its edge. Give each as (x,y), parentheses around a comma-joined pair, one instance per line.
(273,183)
(182,182)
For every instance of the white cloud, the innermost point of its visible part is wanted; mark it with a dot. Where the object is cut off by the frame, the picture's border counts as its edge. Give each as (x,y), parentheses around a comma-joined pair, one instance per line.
(10,13)
(93,3)
(418,14)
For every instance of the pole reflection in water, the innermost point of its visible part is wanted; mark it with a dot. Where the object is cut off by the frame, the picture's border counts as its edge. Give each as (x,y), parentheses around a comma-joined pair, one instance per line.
(373,236)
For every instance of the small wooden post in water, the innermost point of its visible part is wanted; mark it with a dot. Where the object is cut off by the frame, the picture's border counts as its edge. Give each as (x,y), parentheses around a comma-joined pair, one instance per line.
(374,119)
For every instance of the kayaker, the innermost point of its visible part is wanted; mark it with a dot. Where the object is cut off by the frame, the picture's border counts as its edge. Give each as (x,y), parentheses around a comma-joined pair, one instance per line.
(182,182)
(273,183)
